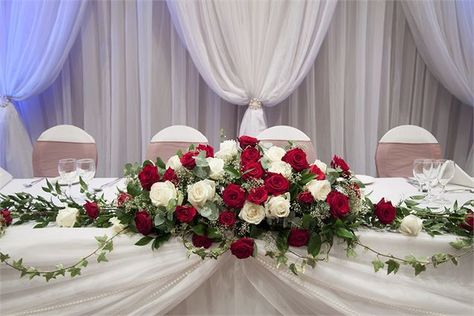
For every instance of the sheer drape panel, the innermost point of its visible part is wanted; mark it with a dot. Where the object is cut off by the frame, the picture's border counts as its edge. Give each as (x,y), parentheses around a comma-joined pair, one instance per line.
(252,49)
(368,78)
(35,39)
(444,33)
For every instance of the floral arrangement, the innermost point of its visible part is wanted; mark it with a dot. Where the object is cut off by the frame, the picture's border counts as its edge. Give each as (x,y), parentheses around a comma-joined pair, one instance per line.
(248,190)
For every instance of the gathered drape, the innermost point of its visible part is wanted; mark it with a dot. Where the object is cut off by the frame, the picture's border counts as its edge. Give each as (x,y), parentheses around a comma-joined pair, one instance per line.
(35,39)
(252,52)
(394,87)
(444,35)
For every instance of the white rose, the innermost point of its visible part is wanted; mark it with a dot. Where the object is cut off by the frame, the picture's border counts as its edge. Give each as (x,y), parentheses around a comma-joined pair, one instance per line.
(321,165)
(117,226)
(217,167)
(278,206)
(201,192)
(411,225)
(161,193)
(281,167)
(67,217)
(252,213)
(174,163)
(274,153)
(319,189)
(227,150)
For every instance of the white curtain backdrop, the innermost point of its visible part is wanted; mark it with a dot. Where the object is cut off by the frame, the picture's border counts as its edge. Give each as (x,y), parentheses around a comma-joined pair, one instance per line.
(35,39)
(248,49)
(128,76)
(444,35)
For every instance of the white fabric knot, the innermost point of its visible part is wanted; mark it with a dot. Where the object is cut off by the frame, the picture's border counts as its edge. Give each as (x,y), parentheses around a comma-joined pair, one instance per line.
(255,104)
(5,101)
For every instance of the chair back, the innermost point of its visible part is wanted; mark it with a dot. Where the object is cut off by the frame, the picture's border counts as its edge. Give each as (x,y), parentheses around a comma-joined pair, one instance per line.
(281,134)
(5,177)
(59,142)
(169,140)
(400,146)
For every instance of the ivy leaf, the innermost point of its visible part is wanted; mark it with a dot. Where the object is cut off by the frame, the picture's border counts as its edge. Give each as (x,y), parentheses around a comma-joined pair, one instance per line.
(377,265)
(4,257)
(393,266)
(144,241)
(109,246)
(293,268)
(102,257)
(49,275)
(307,221)
(214,233)
(314,244)
(41,225)
(282,241)
(419,267)
(160,240)
(74,271)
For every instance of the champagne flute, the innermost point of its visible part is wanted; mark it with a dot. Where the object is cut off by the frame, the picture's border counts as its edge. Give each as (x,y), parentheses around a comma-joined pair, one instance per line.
(446,173)
(86,169)
(67,169)
(418,173)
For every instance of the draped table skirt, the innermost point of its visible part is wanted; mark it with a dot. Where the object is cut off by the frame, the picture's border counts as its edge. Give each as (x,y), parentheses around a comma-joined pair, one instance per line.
(139,281)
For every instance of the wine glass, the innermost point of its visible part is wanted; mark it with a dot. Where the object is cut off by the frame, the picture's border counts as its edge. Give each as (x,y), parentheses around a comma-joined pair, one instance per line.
(445,174)
(86,169)
(67,171)
(418,172)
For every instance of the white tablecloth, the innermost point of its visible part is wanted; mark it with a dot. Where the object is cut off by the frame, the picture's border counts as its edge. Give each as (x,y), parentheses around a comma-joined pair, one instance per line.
(139,281)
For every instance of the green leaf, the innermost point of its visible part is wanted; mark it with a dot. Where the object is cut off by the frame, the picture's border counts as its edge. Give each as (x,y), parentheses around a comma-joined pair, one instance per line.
(109,246)
(293,268)
(419,267)
(171,205)
(314,244)
(377,265)
(74,271)
(214,233)
(102,257)
(3,257)
(160,240)
(41,225)
(232,171)
(393,266)
(199,229)
(345,233)
(209,211)
(48,276)
(159,219)
(144,241)
(282,241)
(307,221)
(160,164)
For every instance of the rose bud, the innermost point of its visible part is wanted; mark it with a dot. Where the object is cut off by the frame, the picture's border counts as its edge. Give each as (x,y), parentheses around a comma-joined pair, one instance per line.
(385,212)
(188,161)
(6,216)
(338,162)
(92,209)
(245,141)
(122,198)
(242,248)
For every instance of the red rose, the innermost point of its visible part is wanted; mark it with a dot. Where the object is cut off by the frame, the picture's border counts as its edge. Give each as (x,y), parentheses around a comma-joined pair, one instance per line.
(339,204)
(185,213)
(338,162)
(317,172)
(170,175)
(6,216)
(92,209)
(468,222)
(247,141)
(207,148)
(257,195)
(385,211)
(252,170)
(201,241)
(242,248)
(249,154)
(122,198)
(188,161)
(148,176)
(296,157)
(227,218)
(276,184)
(234,196)
(298,237)
(143,222)
(306,197)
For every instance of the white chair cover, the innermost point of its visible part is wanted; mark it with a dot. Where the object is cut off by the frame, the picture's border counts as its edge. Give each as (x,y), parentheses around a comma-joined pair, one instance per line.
(281,134)
(59,142)
(169,140)
(5,177)
(400,146)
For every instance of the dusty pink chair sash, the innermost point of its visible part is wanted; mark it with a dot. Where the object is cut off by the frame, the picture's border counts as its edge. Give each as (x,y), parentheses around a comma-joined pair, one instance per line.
(165,150)
(307,146)
(46,155)
(396,159)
